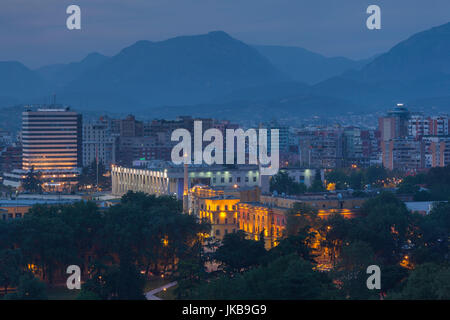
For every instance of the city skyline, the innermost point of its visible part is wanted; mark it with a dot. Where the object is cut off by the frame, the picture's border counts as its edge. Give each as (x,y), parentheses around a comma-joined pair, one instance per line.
(202,153)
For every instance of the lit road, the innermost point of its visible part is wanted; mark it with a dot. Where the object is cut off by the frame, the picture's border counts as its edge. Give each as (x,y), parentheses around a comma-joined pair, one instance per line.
(151,294)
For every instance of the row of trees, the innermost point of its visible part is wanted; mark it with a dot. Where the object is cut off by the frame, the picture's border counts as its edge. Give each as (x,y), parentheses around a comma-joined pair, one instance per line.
(282,183)
(115,248)
(91,175)
(432,186)
(357,178)
(412,251)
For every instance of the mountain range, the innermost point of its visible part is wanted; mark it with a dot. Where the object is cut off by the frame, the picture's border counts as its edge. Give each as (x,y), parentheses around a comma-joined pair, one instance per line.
(218,75)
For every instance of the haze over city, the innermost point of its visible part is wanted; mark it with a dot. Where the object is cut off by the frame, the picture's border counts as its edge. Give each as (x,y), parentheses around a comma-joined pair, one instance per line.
(34,33)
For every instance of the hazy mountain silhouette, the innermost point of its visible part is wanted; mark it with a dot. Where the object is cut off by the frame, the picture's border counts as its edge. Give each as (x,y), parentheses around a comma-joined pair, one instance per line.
(59,75)
(417,68)
(18,82)
(307,66)
(216,74)
(182,70)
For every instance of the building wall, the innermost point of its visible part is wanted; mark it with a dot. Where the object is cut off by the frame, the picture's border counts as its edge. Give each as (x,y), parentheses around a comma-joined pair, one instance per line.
(168,179)
(220,213)
(141,180)
(51,139)
(98,142)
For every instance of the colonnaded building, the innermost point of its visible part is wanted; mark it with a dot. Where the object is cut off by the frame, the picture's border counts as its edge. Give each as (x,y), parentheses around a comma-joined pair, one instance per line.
(164,178)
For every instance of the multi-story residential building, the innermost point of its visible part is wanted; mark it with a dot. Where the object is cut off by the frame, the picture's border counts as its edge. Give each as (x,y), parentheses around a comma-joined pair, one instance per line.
(283,135)
(437,151)
(130,127)
(395,123)
(11,158)
(6,138)
(420,125)
(321,148)
(406,154)
(99,144)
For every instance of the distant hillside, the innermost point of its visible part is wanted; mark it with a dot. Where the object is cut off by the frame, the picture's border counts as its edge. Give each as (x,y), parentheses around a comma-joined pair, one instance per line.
(17,81)
(415,69)
(307,66)
(59,75)
(216,75)
(182,70)
(266,92)
(294,107)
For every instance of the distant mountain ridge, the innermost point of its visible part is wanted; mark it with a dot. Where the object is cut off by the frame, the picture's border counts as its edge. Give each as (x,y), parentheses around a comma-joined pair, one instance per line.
(307,66)
(59,75)
(417,68)
(216,74)
(181,70)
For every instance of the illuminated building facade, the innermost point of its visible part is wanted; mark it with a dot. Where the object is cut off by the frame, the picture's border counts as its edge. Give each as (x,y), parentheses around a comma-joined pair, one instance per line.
(52,145)
(220,212)
(255,218)
(164,178)
(229,210)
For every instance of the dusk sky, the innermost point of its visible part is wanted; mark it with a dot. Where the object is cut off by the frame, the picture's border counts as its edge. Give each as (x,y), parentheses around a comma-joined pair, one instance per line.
(34,32)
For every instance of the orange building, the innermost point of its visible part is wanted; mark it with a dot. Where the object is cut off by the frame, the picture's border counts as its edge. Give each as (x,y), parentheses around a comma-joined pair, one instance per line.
(246,209)
(256,218)
(220,212)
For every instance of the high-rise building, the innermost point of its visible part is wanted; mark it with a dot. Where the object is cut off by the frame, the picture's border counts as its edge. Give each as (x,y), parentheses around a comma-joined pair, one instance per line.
(52,145)
(395,124)
(51,139)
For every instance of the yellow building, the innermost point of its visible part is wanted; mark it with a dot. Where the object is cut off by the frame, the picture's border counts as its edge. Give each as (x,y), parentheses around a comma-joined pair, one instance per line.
(220,212)
(255,218)
(229,210)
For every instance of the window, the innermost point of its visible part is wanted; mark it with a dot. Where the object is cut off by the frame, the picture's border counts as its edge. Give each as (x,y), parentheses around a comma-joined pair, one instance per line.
(217,232)
(214,180)
(238,179)
(226,221)
(226,207)
(230,179)
(254,179)
(246,179)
